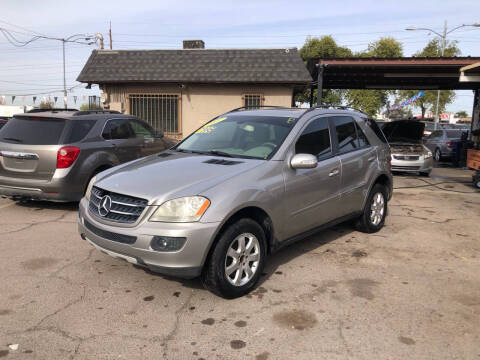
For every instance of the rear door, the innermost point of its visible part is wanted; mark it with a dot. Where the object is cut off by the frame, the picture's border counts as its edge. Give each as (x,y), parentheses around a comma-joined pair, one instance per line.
(29,146)
(433,141)
(358,162)
(119,134)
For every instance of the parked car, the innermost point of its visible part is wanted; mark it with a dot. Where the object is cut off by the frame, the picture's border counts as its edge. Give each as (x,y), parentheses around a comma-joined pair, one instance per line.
(53,155)
(244,185)
(441,142)
(408,152)
(3,121)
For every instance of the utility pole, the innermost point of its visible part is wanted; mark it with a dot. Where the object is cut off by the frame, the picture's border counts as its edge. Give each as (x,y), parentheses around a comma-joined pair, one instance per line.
(444,44)
(64,78)
(110,35)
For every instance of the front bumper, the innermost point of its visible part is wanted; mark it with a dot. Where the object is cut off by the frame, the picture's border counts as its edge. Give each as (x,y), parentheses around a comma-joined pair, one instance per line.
(185,263)
(421,165)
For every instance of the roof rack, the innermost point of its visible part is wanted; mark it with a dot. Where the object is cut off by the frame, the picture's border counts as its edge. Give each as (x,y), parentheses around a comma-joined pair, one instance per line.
(259,106)
(338,107)
(89,112)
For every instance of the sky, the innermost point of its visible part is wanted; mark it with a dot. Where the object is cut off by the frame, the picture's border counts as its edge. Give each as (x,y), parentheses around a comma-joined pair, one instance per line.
(154,24)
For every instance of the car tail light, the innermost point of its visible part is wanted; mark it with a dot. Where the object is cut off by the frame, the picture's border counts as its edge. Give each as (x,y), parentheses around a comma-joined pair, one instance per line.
(66,156)
(389,162)
(449,144)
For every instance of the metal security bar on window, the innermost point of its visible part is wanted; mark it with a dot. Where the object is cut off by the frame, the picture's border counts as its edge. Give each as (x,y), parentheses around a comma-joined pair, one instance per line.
(253,101)
(160,111)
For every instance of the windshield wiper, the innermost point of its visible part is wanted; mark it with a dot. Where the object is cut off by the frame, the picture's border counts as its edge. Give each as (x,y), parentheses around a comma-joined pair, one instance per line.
(220,153)
(13,139)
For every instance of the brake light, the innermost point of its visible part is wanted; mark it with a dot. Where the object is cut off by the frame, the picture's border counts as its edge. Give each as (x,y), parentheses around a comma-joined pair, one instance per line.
(66,156)
(449,144)
(389,161)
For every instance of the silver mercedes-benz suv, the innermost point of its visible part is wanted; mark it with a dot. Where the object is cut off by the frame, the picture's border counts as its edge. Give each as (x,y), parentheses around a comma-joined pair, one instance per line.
(238,188)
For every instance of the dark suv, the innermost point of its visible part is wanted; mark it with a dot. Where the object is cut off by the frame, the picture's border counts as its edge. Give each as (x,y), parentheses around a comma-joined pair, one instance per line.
(53,155)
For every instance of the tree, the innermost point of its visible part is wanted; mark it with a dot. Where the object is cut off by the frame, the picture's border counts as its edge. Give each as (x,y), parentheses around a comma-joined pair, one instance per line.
(371,101)
(385,48)
(461,114)
(47,104)
(85,107)
(322,48)
(429,99)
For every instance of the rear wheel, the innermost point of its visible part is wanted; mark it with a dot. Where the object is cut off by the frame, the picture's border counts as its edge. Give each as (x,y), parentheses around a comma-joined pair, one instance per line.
(236,262)
(438,155)
(375,211)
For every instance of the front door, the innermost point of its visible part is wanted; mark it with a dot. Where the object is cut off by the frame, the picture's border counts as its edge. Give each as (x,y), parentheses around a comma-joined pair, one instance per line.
(312,195)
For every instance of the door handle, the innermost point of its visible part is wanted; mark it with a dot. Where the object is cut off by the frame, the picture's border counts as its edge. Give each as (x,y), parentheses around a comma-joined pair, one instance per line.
(334,172)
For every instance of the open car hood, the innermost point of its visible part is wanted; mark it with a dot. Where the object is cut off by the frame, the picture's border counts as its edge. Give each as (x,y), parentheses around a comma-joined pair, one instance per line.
(404,131)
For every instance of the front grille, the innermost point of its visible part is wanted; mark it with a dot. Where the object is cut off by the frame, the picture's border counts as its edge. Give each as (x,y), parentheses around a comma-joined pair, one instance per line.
(411,168)
(124,209)
(124,239)
(407,157)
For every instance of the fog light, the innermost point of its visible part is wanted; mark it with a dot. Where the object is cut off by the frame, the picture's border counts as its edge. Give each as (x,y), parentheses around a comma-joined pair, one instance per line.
(165,243)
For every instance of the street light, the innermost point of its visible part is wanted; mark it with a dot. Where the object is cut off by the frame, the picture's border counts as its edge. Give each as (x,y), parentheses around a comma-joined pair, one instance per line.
(444,44)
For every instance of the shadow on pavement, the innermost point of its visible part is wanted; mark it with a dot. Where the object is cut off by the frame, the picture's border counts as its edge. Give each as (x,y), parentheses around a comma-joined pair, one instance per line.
(42,205)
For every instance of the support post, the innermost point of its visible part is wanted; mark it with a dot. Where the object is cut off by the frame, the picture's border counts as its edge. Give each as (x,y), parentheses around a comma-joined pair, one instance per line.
(312,88)
(320,83)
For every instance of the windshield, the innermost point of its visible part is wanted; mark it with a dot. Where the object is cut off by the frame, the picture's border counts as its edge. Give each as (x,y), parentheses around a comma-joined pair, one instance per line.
(248,136)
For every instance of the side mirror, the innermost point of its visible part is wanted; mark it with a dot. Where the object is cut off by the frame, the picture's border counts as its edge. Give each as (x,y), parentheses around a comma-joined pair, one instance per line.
(304,161)
(159,134)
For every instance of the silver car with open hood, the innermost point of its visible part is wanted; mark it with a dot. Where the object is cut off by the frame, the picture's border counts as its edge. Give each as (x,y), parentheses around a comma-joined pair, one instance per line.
(408,152)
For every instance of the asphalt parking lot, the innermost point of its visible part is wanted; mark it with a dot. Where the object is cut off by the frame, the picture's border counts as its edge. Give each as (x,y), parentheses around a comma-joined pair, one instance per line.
(409,291)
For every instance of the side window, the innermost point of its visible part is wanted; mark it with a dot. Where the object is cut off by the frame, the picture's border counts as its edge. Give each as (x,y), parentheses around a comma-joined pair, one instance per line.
(436,134)
(117,129)
(141,130)
(362,139)
(376,129)
(346,133)
(315,139)
(78,130)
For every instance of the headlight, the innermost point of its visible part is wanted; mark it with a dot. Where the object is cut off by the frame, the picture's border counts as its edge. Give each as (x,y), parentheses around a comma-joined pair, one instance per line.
(428,155)
(185,209)
(89,188)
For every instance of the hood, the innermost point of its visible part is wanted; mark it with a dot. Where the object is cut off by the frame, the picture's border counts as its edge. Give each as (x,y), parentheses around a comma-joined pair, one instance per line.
(169,175)
(404,131)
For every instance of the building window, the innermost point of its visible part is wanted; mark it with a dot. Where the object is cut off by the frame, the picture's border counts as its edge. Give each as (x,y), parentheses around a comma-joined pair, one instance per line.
(160,111)
(253,101)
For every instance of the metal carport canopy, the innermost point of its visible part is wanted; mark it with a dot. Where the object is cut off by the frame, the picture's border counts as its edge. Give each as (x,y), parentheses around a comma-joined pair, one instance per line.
(394,73)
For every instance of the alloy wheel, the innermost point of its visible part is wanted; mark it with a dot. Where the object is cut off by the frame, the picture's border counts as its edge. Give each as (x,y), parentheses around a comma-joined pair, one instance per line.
(377,208)
(242,259)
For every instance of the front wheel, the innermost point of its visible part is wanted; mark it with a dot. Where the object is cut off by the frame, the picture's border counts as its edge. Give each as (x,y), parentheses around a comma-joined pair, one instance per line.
(236,262)
(375,211)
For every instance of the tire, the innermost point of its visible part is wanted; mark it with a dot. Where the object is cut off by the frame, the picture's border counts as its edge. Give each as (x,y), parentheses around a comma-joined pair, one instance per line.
(367,222)
(477,184)
(425,174)
(238,283)
(438,155)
